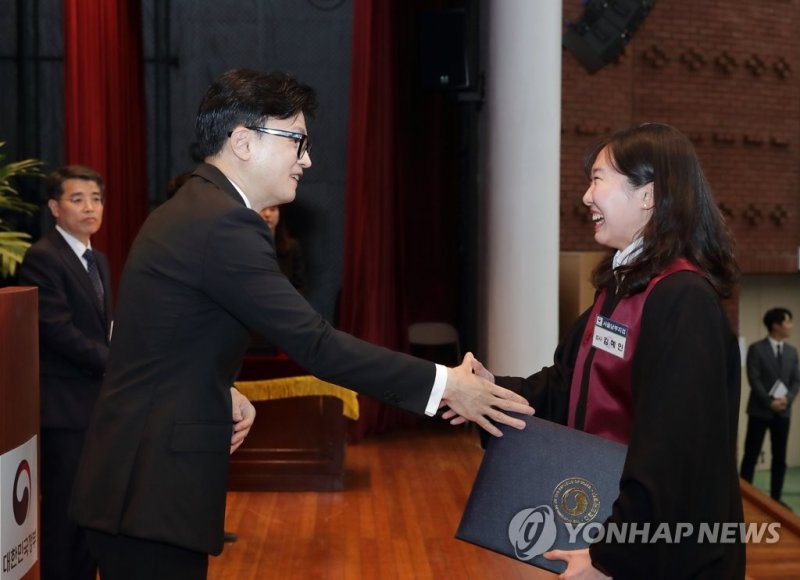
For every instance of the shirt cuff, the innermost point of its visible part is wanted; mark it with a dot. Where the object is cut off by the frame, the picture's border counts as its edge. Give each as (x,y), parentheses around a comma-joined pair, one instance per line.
(438,391)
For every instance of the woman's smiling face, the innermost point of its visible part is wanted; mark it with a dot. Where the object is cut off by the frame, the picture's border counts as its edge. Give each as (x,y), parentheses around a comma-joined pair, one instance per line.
(619,211)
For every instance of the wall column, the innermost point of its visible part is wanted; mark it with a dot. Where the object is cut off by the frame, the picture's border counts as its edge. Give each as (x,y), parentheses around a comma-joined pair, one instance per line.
(521,187)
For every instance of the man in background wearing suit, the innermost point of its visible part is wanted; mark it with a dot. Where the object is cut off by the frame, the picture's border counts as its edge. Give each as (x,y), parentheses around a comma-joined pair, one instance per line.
(768,361)
(202,274)
(74,324)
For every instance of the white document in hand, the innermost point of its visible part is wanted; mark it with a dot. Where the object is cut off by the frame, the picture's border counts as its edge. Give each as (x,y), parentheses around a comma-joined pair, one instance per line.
(778,390)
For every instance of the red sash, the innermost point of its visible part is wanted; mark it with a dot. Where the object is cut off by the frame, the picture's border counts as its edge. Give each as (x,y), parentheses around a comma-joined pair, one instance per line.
(609,400)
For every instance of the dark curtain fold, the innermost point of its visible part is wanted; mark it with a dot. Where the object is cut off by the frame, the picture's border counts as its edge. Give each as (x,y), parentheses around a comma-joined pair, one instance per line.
(398,264)
(371,306)
(104,113)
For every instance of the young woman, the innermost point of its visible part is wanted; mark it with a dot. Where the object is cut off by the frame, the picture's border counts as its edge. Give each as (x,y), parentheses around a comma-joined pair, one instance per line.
(654,363)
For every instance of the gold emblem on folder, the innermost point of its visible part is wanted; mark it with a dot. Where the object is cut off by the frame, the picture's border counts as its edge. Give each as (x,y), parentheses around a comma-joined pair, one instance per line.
(576,500)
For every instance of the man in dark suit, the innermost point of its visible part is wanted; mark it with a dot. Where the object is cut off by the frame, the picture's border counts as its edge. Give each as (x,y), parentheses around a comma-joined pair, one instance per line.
(200,276)
(771,364)
(74,325)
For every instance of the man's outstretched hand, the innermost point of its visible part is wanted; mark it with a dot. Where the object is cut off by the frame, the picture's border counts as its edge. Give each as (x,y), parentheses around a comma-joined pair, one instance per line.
(473,398)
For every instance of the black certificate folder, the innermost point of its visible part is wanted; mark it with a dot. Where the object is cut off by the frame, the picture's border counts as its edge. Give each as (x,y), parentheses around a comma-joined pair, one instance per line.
(543,488)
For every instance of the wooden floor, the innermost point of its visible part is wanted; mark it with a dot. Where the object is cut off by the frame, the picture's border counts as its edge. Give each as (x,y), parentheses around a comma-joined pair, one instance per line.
(779,561)
(397,517)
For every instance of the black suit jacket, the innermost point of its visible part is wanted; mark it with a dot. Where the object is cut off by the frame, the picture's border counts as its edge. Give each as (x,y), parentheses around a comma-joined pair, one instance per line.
(202,274)
(763,371)
(73,330)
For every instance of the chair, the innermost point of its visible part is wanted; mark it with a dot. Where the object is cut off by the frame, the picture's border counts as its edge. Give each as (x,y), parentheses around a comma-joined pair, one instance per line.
(435,341)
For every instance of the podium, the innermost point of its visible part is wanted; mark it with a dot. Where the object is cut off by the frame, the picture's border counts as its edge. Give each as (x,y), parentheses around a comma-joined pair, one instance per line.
(19,428)
(296,444)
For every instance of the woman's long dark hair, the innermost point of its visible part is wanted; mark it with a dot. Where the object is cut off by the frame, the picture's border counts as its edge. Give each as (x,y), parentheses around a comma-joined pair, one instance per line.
(686,221)
(283,238)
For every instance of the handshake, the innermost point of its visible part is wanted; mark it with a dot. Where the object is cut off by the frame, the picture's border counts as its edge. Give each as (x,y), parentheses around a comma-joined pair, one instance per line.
(471,395)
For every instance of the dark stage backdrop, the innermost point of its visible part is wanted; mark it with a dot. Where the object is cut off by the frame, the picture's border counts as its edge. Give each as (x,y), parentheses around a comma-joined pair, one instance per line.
(189,43)
(403,192)
(401,200)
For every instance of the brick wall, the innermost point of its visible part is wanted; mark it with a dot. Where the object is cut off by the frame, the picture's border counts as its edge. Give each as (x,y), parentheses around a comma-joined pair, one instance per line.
(726,73)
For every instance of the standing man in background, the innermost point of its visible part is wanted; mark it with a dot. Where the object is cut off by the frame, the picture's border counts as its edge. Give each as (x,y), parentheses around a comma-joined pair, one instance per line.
(74,325)
(774,377)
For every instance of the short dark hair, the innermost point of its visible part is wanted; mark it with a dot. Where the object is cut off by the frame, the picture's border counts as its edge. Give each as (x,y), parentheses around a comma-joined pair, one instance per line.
(54,183)
(248,97)
(775,316)
(686,222)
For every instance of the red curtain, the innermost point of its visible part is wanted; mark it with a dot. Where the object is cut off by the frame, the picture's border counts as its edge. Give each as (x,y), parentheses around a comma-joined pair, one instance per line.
(104,113)
(371,307)
(399,213)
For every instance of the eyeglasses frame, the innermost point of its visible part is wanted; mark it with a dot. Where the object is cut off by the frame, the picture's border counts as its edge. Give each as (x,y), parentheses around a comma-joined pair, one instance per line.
(303,145)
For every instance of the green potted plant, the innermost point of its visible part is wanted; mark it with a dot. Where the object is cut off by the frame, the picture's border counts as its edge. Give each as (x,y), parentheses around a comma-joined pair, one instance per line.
(13,245)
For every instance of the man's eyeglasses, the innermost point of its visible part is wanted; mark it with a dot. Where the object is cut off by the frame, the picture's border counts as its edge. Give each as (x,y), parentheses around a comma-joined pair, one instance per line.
(303,144)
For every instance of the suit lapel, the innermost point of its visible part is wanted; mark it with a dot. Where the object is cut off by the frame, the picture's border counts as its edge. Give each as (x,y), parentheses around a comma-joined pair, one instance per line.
(75,268)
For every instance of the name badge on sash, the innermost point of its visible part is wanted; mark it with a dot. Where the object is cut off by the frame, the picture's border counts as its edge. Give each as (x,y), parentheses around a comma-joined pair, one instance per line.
(609,336)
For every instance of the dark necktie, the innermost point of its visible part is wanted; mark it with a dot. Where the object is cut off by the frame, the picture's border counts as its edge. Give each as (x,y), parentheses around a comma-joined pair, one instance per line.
(779,355)
(94,276)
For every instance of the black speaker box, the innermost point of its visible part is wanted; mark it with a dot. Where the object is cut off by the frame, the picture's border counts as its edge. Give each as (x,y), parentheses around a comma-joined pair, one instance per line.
(601,34)
(447,50)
